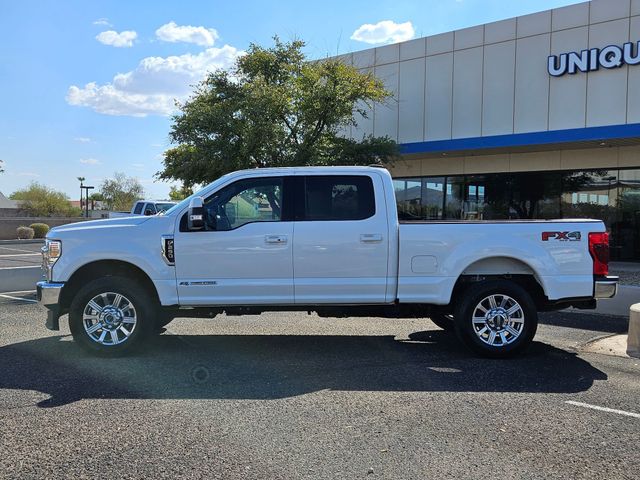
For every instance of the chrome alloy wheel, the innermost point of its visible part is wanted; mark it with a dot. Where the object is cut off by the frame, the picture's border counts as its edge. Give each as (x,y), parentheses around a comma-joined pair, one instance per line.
(498,320)
(109,318)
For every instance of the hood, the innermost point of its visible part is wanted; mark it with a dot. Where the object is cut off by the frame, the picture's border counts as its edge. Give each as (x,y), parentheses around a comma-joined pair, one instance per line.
(93,225)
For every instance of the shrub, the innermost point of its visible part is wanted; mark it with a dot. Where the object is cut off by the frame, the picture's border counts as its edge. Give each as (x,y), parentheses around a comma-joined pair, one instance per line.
(40,229)
(25,233)
(41,201)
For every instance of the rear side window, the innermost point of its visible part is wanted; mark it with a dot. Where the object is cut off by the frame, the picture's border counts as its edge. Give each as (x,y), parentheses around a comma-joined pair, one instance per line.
(138,209)
(333,197)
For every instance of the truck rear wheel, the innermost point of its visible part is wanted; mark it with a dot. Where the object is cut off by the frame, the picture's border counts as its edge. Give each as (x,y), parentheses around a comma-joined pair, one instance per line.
(112,315)
(496,318)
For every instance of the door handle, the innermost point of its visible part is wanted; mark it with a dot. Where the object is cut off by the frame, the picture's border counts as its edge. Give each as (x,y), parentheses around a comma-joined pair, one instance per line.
(276,239)
(370,238)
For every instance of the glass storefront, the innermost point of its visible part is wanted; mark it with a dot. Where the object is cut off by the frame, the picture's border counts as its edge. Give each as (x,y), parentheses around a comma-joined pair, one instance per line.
(609,195)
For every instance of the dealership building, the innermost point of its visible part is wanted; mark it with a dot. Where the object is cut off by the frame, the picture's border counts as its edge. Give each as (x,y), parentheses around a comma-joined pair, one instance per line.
(531,117)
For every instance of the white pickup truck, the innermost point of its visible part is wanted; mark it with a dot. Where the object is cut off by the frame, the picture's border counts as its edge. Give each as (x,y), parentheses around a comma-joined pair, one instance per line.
(323,239)
(145,207)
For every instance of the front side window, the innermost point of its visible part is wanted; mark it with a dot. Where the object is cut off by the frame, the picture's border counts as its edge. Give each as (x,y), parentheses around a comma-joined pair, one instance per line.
(150,209)
(334,197)
(243,202)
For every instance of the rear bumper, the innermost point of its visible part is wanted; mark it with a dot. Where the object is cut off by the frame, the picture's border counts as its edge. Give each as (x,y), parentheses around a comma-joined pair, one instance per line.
(605,287)
(48,295)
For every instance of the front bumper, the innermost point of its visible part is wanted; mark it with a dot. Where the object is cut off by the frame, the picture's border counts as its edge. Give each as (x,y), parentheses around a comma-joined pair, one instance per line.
(48,295)
(605,287)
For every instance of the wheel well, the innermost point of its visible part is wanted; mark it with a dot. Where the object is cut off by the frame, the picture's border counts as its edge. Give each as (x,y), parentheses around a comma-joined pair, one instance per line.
(99,269)
(526,281)
(498,266)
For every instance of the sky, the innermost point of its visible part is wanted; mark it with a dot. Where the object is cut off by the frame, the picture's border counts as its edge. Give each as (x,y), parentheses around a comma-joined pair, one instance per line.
(87,88)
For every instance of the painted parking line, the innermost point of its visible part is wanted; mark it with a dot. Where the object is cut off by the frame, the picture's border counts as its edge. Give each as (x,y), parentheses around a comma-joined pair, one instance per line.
(604,409)
(17,250)
(10,297)
(18,292)
(4,255)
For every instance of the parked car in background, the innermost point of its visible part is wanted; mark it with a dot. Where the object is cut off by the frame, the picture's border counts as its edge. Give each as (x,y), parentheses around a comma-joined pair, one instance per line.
(145,207)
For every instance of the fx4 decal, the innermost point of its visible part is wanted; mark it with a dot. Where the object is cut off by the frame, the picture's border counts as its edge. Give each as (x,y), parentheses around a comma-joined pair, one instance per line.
(562,236)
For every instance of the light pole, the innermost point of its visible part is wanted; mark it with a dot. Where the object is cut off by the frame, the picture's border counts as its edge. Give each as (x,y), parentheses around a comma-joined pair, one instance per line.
(86,202)
(81,179)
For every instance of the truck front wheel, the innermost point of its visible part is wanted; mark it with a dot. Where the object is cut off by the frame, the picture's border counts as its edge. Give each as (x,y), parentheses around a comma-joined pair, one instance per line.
(112,315)
(442,320)
(496,318)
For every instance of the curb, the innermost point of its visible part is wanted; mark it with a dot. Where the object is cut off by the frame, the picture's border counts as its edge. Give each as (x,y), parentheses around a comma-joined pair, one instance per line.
(613,345)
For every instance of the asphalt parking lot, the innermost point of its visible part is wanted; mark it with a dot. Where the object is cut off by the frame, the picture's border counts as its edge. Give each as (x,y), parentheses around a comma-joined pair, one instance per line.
(297,396)
(20,254)
(19,265)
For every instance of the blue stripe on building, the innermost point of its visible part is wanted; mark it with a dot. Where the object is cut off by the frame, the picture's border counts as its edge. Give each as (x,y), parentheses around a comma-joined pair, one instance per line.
(611,132)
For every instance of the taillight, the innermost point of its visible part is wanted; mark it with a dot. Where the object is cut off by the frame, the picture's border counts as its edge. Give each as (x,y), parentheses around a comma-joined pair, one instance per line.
(599,250)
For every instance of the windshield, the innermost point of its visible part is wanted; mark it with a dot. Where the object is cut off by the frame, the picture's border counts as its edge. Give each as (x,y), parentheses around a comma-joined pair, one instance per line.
(164,207)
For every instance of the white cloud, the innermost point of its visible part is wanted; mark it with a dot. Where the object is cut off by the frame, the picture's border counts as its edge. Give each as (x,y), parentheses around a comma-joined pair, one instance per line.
(170,32)
(138,166)
(154,85)
(90,161)
(28,174)
(386,31)
(115,39)
(82,139)
(102,21)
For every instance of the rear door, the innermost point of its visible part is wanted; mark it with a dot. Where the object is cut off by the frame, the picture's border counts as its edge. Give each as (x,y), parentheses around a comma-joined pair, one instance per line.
(341,240)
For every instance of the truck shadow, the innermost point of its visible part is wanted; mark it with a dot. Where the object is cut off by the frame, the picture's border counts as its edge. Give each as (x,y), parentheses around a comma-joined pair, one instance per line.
(584,321)
(279,366)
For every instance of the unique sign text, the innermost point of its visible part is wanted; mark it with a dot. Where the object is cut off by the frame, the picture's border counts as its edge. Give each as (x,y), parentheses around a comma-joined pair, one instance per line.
(591,60)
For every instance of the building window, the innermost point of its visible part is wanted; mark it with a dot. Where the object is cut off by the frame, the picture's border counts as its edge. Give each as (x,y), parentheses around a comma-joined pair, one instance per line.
(612,196)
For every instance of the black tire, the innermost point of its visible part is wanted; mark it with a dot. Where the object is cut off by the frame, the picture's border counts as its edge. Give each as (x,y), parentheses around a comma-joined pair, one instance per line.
(494,338)
(444,321)
(144,309)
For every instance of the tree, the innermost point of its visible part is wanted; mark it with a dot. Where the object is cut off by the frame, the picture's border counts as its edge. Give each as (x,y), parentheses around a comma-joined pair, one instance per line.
(274,109)
(120,192)
(95,197)
(176,194)
(41,201)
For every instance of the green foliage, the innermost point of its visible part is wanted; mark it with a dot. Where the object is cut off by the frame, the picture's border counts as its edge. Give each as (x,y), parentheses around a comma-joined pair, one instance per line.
(40,229)
(275,109)
(176,194)
(25,233)
(120,192)
(41,201)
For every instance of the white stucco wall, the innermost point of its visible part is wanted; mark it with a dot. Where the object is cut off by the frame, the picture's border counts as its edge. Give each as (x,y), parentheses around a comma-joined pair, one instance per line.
(492,79)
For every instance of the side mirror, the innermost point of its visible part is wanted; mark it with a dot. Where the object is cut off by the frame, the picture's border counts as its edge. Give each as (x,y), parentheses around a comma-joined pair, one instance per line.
(148,212)
(195,215)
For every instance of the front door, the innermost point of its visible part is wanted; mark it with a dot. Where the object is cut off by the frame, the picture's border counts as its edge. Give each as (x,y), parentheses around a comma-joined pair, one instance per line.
(244,254)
